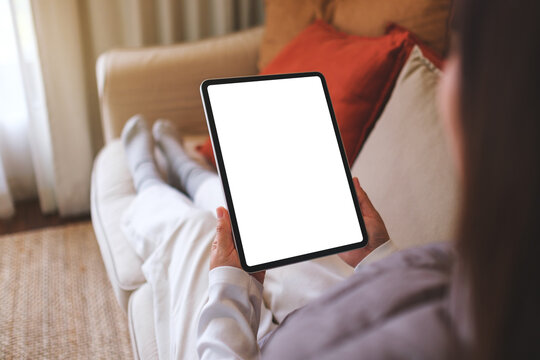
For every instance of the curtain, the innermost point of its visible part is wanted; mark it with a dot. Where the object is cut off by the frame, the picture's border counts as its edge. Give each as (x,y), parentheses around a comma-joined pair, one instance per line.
(70,35)
(6,202)
(26,167)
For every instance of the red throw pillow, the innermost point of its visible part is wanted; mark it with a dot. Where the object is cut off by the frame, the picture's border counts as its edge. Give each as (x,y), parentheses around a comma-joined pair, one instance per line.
(360,73)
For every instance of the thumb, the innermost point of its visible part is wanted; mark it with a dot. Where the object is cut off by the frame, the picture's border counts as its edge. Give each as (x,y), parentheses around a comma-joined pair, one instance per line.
(223,228)
(366,207)
(223,252)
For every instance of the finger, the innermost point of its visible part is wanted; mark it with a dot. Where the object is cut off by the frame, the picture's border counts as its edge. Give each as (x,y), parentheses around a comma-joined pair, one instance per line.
(223,228)
(366,206)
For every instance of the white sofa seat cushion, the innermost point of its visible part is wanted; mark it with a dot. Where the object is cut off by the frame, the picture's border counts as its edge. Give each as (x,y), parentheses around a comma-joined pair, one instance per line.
(112,192)
(141,323)
(405,167)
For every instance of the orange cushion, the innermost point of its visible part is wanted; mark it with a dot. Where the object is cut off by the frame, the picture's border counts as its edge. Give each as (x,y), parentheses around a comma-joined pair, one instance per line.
(428,19)
(360,73)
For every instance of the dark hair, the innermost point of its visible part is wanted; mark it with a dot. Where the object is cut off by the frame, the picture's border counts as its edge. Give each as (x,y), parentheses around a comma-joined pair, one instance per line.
(498,42)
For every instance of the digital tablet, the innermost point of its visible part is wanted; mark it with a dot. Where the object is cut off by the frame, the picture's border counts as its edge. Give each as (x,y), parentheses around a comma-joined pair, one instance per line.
(284,171)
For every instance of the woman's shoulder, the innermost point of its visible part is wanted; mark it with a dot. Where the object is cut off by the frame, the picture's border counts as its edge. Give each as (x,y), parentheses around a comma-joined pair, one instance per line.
(421,273)
(438,257)
(407,290)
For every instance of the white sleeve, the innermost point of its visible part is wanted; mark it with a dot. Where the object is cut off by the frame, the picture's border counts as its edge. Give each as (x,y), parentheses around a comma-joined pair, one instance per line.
(229,321)
(378,253)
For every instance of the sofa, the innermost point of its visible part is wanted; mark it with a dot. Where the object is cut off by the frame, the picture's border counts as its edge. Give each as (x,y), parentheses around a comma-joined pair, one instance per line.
(404,165)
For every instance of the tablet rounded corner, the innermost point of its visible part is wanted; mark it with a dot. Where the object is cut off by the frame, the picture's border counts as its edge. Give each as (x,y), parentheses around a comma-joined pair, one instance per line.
(364,241)
(247,268)
(319,75)
(204,84)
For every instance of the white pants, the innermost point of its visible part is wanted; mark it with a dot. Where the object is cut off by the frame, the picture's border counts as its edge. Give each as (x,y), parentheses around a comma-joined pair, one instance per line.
(172,234)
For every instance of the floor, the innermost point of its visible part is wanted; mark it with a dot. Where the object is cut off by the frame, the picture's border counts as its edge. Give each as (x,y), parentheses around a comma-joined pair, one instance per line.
(28,216)
(56,300)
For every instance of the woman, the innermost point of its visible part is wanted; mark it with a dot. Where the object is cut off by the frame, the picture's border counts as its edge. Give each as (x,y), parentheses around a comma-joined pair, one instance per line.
(489,105)
(477,298)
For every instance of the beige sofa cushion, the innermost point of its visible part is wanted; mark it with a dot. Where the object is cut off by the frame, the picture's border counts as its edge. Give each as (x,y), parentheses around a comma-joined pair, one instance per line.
(428,19)
(163,81)
(405,167)
(284,20)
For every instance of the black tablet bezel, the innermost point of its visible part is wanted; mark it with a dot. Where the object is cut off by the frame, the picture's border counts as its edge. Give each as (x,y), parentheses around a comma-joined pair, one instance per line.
(223,174)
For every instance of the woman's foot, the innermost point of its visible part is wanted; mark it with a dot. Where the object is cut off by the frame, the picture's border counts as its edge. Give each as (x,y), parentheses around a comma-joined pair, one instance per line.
(169,141)
(183,169)
(139,149)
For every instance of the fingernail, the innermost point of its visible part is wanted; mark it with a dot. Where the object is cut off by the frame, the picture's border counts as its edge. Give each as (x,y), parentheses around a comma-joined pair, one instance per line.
(219,212)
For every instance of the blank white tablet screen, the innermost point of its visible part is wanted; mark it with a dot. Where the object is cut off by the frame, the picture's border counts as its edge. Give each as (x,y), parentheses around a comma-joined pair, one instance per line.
(286,176)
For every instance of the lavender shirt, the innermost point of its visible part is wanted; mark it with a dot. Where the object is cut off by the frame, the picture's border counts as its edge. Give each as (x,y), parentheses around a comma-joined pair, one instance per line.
(397,307)
(393,308)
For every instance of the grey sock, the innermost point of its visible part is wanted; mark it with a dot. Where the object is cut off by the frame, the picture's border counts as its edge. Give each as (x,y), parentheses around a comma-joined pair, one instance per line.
(189,174)
(139,149)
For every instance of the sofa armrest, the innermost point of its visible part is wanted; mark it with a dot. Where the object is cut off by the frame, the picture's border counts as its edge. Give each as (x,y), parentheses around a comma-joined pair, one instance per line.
(163,81)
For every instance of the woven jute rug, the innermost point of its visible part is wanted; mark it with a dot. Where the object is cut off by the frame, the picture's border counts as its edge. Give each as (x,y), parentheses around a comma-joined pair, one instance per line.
(56,301)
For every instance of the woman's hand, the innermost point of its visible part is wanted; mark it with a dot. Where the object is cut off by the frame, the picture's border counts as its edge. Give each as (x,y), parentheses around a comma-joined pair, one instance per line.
(376,230)
(223,252)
